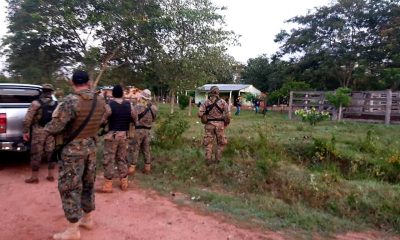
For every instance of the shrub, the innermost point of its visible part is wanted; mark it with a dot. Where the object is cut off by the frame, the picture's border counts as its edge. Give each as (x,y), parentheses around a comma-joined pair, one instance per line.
(170,130)
(312,116)
(183,101)
(369,143)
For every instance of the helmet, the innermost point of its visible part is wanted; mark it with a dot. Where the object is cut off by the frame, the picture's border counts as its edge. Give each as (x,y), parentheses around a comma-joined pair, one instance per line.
(47,87)
(214,90)
(146,94)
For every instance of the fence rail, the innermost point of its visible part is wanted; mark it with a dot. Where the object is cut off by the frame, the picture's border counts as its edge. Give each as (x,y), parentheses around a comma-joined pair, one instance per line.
(383,106)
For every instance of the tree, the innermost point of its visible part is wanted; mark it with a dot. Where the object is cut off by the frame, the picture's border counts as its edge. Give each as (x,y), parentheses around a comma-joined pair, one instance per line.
(266,75)
(339,99)
(282,95)
(193,45)
(345,39)
(95,35)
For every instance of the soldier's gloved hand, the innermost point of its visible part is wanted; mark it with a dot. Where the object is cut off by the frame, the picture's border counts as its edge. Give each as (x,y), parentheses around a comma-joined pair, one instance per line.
(26,137)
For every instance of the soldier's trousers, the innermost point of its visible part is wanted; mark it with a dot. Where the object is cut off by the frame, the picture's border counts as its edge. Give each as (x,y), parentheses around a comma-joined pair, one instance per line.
(115,154)
(141,143)
(77,177)
(211,132)
(42,145)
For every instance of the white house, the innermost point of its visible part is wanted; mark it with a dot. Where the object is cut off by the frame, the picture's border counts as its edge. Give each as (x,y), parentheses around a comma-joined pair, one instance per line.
(229,92)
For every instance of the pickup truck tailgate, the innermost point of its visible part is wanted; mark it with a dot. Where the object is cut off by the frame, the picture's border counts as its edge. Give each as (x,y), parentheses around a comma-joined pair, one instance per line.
(15,114)
(15,100)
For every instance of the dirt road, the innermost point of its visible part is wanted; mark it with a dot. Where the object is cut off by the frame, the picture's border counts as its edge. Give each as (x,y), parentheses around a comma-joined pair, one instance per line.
(34,212)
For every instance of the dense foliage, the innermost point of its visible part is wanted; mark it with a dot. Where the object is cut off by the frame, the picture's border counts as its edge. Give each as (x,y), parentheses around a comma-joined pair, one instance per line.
(350,43)
(156,44)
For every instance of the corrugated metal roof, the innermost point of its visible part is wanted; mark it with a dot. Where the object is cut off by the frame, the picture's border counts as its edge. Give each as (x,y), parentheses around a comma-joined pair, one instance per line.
(224,87)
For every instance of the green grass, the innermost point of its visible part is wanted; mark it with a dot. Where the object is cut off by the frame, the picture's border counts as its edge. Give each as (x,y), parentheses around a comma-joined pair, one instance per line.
(284,174)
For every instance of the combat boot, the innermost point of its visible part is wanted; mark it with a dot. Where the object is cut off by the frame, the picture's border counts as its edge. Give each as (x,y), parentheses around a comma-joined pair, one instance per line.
(71,233)
(107,186)
(50,175)
(132,169)
(124,184)
(147,168)
(34,178)
(86,221)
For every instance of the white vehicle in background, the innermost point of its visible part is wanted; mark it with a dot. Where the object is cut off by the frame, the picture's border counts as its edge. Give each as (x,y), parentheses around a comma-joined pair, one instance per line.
(15,100)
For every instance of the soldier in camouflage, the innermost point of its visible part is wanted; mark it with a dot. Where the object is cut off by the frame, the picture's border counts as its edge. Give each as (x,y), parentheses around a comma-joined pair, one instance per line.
(215,115)
(119,114)
(77,166)
(42,144)
(146,114)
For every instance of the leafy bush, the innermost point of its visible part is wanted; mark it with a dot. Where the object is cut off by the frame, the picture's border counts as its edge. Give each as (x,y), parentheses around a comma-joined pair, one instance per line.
(183,101)
(324,150)
(312,116)
(169,132)
(340,97)
(369,143)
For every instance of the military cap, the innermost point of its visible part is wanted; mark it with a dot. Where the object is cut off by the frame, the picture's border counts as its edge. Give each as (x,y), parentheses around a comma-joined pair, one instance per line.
(214,90)
(117,91)
(48,87)
(146,94)
(80,77)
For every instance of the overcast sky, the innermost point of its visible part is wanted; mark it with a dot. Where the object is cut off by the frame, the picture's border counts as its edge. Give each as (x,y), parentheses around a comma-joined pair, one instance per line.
(257,21)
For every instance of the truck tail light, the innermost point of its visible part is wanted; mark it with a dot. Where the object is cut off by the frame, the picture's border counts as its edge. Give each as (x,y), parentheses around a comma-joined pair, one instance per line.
(3,122)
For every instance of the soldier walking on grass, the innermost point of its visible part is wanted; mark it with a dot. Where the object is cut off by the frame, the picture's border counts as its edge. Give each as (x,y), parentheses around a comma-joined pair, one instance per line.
(119,114)
(42,145)
(215,114)
(146,114)
(78,120)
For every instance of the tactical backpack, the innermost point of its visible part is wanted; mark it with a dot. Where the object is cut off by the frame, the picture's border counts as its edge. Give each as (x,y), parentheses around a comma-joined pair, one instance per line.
(47,111)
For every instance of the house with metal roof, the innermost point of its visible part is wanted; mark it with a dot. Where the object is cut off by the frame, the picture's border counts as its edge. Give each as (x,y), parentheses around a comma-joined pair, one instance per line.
(229,92)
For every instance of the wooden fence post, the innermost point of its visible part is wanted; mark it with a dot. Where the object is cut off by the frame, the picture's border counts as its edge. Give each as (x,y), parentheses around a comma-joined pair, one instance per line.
(388,110)
(291,105)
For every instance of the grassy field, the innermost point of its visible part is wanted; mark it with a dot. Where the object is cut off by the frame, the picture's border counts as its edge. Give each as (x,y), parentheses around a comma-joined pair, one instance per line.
(285,175)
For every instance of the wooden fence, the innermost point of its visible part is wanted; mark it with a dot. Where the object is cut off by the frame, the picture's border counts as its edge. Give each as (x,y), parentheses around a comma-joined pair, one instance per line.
(371,106)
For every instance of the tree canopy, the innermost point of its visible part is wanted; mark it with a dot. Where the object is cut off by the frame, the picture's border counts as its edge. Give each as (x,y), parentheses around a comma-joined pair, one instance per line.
(349,43)
(175,42)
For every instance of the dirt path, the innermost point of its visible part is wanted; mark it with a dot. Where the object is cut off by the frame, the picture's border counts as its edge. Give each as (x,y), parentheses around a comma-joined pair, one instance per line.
(34,212)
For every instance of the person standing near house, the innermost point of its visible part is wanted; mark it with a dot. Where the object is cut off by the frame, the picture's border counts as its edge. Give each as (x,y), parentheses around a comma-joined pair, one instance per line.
(146,114)
(77,120)
(119,114)
(215,114)
(238,103)
(42,145)
(257,104)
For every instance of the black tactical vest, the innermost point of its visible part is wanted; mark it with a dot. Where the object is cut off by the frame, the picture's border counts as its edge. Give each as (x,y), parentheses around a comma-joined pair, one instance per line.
(120,116)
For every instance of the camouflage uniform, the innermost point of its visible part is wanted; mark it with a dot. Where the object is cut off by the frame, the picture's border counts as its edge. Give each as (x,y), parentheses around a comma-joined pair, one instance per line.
(42,144)
(142,135)
(77,171)
(214,128)
(115,149)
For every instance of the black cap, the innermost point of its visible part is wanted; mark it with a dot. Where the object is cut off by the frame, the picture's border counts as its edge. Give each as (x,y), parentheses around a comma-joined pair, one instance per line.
(117,91)
(80,77)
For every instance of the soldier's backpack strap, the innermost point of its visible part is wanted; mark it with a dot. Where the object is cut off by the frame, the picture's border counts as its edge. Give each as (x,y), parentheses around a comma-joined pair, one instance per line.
(142,114)
(210,107)
(57,152)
